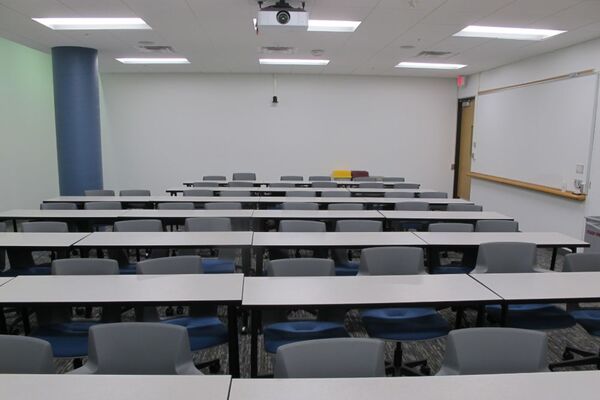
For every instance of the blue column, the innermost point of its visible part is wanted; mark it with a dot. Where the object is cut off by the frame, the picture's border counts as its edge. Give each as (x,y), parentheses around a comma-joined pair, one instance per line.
(77,114)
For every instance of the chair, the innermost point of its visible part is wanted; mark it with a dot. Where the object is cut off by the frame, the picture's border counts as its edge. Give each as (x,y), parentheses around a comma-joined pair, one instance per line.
(406,323)
(324,184)
(314,178)
(136,225)
(404,185)
(298,225)
(586,316)
(411,206)
(2,251)
(291,178)
(464,207)
(399,195)
(516,257)
(134,192)
(301,193)
(434,254)
(25,355)
(102,205)
(223,206)
(496,226)
(392,179)
(240,184)
(278,330)
(300,206)
(412,224)
(476,351)
(344,266)
(224,262)
(331,358)
(335,194)
(234,193)
(199,192)
(282,185)
(99,192)
(205,329)
(432,195)
(175,206)
(365,179)
(345,206)
(22,260)
(204,184)
(58,206)
(214,178)
(371,185)
(138,348)
(244,176)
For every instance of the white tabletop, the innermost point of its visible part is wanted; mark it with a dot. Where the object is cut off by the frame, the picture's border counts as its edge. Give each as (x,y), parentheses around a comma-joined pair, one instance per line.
(364,290)
(335,239)
(59,214)
(548,239)
(153,199)
(167,239)
(544,286)
(547,386)
(388,190)
(318,214)
(40,240)
(98,289)
(444,215)
(255,189)
(393,200)
(114,387)
(137,213)
(295,199)
(4,280)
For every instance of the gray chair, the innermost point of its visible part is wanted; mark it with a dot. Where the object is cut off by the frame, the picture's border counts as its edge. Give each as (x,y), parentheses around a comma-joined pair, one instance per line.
(139,225)
(450,227)
(345,206)
(314,178)
(300,206)
(496,226)
(331,358)
(175,206)
(99,192)
(244,176)
(223,206)
(58,206)
(292,178)
(136,225)
(138,348)
(207,224)
(25,355)
(134,192)
(371,185)
(22,259)
(2,251)
(400,195)
(282,185)
(301,193)
(324,184)
(205,184)
(392,179)
(85,266)
(45,227)
(335,194)
(240,184)
(433,195)
(218,261)
(406,185)
(365,179)
(410,225)
(464,207)
(199,192)
(392,260)
(214,178)
(297,225)
(234,193)
(476,351)
(465,265)
(344,266)
(411,206)
(102,205)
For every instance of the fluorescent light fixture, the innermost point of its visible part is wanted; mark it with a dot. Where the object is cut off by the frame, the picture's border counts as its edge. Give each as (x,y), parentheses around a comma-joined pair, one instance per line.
(92,23)
(507,33)
(420,65)
(291,61)
(324,25)
(167,60)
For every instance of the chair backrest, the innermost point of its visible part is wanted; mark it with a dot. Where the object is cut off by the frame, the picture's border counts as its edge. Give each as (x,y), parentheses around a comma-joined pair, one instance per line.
(392,179)
(58,206)
(464,207)
(493,225)
(103,205)
(282,185)
(175,206)
(223,206)
(301,193)
(313,178)
(240,184)
(450,227)
(399,195)
(3,227)
(335,194)
(134,192)
(85,266)
(323,184)
(358,225)
(392,261)
(298,225)
(346,206)
(403,185)
(99,192)
(234,193)
(506,257)
(244,176)
(199,192)
(25,355)
(365,179)
(45,226)
(476,351)
(582,262)
(203,184)
(207,224)
(171,265)
(139,225)
(411,206)
(214,178)
(138,348)
(291,178)
(432,195)
(331,358)
(300,206)
(301,267)
(371,185)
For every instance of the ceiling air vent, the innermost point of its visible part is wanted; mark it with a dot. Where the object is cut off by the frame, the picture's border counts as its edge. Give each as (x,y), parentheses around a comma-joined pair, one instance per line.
(434,54)
(158,49)
(277,50)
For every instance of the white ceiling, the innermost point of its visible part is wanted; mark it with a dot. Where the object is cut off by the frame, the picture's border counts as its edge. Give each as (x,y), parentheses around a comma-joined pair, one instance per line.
(217,35)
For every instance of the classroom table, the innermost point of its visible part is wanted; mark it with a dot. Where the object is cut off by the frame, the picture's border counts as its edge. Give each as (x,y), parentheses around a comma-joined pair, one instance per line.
(250,201)
(359,292)
(178,217)
(443,216)
(329,216)
(391,201)
(258,190)
(382,191)
(133,290)
(190,183)
(544,385)
(39,240)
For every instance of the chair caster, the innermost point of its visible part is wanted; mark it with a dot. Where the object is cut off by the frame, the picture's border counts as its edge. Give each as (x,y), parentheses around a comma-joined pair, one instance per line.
(179,310)
(169,312)
(567,355)
(215,368)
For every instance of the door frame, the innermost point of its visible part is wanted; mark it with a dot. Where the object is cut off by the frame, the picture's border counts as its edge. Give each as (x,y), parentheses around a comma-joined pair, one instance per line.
(457,145)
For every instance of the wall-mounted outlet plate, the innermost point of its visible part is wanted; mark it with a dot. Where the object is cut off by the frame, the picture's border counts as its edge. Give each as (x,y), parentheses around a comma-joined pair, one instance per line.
(579,168)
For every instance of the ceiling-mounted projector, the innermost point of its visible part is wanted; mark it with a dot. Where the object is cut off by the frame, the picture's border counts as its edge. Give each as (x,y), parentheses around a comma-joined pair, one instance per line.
(281,15)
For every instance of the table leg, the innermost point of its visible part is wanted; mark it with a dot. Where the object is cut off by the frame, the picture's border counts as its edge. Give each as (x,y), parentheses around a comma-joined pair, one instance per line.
(259,253)
(480,315)
(553,261)
(25,318)
(254,321)
(234,347)
(3,327)
(460,312)
(504,314)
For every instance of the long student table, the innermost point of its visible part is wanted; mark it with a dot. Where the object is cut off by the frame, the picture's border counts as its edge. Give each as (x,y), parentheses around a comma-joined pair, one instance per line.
(138,290)
(250,201)
(340,183)
(259,216)
(446,216)
(259,190)
(106,216)
(383,191)
(270,201)
(546,385)
(114,387)
(39,241)
(359,292)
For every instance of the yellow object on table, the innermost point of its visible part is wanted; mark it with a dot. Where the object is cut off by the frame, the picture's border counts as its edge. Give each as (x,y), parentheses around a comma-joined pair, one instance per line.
(341,174)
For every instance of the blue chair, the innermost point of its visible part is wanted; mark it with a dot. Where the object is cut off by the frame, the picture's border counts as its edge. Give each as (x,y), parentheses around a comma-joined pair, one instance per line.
(205,329)
(435,265)
(344,266)
(516,257)
(406,323)
(278,330)
(225,260)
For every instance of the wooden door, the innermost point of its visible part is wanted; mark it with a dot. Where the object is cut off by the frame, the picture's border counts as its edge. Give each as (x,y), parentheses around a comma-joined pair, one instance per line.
(465,151)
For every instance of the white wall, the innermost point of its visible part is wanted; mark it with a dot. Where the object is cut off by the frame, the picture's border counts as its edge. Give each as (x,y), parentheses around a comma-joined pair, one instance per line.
(536,211)
(160,129)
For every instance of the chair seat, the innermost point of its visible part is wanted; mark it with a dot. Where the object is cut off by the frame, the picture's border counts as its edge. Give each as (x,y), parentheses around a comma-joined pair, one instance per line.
(589,319)
(532,316)
(451,269)
(68,340)
(42,269)
(128,269)
(349,268)
(404,324)
(204,332)
(281,333)
(218,266)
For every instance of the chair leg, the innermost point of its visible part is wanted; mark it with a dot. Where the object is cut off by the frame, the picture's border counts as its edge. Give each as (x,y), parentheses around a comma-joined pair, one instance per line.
(77,363)
(410,368)
(214,366)
(587,358)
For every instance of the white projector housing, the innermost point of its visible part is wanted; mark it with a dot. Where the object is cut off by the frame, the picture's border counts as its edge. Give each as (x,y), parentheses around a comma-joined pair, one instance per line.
(278,19)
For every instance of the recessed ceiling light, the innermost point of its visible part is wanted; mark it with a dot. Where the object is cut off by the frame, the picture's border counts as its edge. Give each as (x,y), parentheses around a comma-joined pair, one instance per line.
(507,33)
(421,65)
(92,23)
(324,25)
(291,61)
(166,60)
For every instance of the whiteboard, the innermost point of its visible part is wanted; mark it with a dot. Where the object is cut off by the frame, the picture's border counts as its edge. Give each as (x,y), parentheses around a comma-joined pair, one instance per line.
(537,133)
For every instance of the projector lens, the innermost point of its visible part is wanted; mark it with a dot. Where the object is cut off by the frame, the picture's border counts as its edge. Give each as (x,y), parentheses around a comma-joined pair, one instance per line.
(283,17)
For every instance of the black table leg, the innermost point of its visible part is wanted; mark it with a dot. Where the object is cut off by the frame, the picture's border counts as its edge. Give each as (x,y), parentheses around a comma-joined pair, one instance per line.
(234,347)
(504,314)
(255,322)
(246,260)
(259,253)
(480,315)
(460,313)
(3,327)
(553,262)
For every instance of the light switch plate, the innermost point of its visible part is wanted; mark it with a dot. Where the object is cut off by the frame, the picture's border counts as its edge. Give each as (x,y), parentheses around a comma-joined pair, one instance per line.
(579,168)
